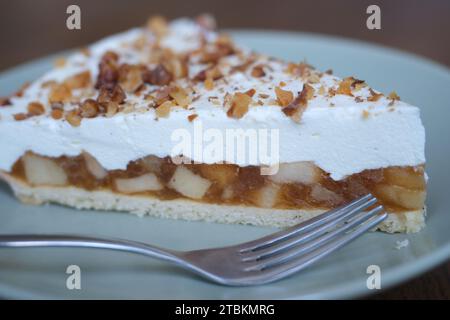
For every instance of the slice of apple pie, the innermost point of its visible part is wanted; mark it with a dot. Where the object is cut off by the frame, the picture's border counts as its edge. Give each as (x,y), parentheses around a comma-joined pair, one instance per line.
(175,120)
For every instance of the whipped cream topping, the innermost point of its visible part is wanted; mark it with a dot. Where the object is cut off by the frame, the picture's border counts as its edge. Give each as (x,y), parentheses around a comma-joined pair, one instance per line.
(342,134)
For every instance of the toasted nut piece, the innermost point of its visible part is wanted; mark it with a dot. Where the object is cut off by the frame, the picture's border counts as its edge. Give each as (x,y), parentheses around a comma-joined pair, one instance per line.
(163,111)
(145,182)
(79,81)
(178,67)
(158,25)
(157,76)
(284,97)
(20,116)
(130,77)
(258,71)
(43,171)
(89,108)
(374,96)
(57,114)
(35,108)
(60,62)
(116,95)
(345,86)
(189,184)
(239,105)
(192,117)
(73,118)
(296,108)
(250,92)
(108,71)
(5,101)
(111,108)
(209,84)
(60,93)
(94,167)
(180,96)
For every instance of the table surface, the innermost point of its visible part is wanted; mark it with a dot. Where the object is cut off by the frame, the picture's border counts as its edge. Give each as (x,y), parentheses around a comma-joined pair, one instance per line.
(412,25)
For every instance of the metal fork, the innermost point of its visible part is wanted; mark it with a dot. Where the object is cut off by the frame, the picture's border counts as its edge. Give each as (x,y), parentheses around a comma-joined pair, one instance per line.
(252,263)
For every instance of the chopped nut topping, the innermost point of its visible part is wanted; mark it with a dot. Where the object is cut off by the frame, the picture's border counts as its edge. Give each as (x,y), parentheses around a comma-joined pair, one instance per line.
(5,101)
(130,77)
(60,93)
(158,25)
(223,47)
(57,114)
(35,108)
(239,105)
(163,110)
(393,96)
(321,90)
(302,69)
(374,96)
(108,71)
(284,97)
(89,108)
(365,114)
(296,108)
(116,95)
(79,81)
(209,84)
(250,92)
(258,71)
(111,108)
(22,89)
(73,118)
(60,62)
(20,116)
(211,73)
(157,76)
(345,87)
(192,117)
(313,78)
(358,84)
(180,96)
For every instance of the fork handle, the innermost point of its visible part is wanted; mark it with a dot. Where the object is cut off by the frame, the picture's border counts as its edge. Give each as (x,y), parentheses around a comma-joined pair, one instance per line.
(30,241)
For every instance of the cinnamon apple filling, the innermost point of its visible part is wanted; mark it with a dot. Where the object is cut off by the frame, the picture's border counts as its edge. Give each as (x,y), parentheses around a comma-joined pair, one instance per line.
(300,185)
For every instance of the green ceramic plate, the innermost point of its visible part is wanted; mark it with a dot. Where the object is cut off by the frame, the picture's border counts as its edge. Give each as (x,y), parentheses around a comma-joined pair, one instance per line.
(41,273)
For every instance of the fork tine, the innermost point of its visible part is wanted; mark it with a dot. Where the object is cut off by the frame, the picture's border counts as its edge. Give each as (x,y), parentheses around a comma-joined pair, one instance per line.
(305,236)
(311,224)
(295,251)
(293,266)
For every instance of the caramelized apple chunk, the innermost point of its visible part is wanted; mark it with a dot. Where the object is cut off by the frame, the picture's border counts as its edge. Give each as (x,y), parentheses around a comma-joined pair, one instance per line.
(188,183)
(146,182)
(43,171)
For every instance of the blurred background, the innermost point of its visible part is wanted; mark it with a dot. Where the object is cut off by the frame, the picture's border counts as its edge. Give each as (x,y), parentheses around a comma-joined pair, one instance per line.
(35,28)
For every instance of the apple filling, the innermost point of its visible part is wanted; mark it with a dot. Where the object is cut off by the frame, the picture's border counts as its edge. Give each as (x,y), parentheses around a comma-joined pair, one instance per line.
(300,185)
